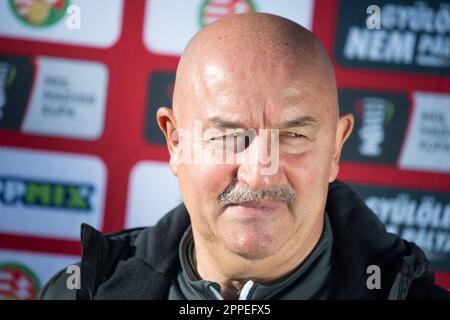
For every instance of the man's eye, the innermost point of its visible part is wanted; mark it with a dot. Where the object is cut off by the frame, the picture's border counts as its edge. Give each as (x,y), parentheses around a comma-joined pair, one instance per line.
(226,136)
(293,135)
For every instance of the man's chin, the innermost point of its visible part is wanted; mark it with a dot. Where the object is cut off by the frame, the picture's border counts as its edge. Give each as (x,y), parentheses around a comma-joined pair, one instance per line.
(253,237)
(250,245)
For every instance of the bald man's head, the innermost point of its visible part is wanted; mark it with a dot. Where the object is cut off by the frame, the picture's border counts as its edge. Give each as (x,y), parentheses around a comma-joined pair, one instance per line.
(261,43)
(264,74)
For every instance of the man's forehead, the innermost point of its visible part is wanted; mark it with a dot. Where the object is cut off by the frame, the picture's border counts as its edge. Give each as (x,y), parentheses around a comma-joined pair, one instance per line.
(254,104)
(253,66)
(256,68)
(219,75)
(219,81)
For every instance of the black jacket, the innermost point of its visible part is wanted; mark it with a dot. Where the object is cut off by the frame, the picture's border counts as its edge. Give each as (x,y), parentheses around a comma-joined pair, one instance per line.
(141,263)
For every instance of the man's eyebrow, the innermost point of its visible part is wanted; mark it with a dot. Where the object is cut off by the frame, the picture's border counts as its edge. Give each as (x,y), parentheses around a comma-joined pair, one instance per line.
(221,123)
(303,121)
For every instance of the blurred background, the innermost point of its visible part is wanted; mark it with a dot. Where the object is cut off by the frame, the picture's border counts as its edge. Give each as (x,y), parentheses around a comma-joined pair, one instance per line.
(80,83)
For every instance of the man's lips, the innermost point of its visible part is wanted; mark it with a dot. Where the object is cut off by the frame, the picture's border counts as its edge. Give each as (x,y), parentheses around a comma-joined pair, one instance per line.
(260,204)
(256,208)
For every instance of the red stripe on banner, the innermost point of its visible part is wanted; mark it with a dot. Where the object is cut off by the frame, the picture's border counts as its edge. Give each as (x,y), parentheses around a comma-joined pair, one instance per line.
(443,279)
(384,175)
(39,244)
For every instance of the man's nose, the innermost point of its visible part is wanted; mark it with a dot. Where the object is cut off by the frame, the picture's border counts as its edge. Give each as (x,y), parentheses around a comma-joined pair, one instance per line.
(259,165)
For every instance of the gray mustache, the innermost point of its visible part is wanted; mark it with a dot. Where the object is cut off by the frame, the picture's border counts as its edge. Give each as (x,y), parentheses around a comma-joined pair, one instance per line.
(239,192)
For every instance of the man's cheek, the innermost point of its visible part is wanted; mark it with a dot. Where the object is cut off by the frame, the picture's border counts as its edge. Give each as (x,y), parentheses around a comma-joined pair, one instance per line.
(215,178)
(300,170)
(304,179)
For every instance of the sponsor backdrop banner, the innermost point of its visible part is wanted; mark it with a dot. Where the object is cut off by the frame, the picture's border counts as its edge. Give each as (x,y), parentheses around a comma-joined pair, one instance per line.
(80,83)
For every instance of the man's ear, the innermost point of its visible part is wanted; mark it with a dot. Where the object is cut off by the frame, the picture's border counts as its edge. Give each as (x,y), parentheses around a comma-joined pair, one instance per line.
(167,124)
(343,131)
